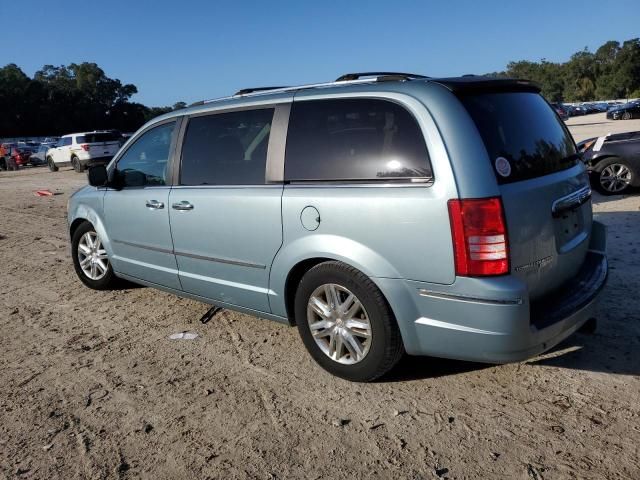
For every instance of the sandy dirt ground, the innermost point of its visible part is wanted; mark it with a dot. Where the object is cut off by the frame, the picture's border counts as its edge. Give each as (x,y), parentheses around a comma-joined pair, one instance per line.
(91,386)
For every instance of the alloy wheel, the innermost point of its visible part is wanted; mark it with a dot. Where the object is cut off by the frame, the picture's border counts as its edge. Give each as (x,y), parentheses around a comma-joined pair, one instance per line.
(339,324)
(93,258)
(615,178)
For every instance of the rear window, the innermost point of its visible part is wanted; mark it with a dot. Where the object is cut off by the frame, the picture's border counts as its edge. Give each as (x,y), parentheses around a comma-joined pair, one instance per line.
(98,137)
(355,139)
(523,135)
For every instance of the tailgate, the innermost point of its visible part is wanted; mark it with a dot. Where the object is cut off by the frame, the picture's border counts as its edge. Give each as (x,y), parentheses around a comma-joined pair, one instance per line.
(549,224)
(544,185)
(104,149)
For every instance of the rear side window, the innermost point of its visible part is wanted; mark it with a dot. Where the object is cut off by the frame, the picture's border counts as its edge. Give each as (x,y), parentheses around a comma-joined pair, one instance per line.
(523,135)
(227,148)
(355,139)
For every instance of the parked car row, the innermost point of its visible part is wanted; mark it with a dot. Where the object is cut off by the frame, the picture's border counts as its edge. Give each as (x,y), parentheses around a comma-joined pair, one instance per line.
(571,110)
(76,150)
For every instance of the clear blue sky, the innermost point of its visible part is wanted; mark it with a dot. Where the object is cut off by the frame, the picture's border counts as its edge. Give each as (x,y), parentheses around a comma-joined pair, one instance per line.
(191,50)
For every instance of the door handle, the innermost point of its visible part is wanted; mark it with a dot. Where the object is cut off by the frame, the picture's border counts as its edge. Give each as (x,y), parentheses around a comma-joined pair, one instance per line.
(182,206)
(155,204)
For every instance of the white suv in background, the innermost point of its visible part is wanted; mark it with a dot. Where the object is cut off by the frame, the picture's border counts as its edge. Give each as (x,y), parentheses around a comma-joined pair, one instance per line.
(78,149)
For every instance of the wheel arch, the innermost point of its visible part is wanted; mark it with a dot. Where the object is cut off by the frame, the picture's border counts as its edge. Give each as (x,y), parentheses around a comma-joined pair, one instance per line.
(298,257)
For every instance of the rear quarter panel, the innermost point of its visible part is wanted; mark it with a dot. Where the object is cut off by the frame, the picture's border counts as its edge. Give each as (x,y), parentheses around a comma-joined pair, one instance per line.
(384,230)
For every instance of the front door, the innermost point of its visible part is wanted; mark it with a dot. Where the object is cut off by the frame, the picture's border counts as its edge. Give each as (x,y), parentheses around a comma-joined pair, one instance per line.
(137,215)
(225,219)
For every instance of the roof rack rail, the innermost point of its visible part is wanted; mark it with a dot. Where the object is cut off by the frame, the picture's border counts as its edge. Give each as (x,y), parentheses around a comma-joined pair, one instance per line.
(249,92)
(246,91)
(396,75)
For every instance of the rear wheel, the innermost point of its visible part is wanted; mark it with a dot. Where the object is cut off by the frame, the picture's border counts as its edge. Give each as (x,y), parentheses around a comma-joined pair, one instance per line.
(52,166)
(614,177)
(346,323)
(77,165)
(626,116)
(90,259)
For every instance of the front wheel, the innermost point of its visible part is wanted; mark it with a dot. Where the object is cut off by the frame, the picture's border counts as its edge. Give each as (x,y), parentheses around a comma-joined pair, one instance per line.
(52,166)
(90,259)
(614,177)
(346,323)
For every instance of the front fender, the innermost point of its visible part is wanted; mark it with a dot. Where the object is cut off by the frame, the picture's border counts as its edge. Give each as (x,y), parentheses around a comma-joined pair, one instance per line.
(87,204)
(333,247)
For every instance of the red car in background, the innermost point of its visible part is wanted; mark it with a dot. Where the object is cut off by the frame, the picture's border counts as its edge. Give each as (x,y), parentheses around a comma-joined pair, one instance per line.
(13,157)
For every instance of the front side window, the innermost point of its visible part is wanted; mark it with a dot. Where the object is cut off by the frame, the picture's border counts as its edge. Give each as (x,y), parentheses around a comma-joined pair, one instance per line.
(354,139)
(226,148)
(66,141)
(145,161)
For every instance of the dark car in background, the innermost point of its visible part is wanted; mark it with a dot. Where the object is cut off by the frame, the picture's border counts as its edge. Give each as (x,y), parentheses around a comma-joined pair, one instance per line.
(561,110)
(39,157)
(625,112)
(613,161)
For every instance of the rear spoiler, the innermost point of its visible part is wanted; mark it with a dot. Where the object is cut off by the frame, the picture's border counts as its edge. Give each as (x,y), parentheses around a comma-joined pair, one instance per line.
(474,84)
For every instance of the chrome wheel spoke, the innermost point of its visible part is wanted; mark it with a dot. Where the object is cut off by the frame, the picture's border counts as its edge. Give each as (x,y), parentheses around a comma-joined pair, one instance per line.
(339,324)
(332,296)
(319,307)
(353,346)
(93,259)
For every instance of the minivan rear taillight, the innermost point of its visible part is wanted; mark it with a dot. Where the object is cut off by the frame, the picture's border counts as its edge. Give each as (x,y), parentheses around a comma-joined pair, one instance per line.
(85,147)
(479,234)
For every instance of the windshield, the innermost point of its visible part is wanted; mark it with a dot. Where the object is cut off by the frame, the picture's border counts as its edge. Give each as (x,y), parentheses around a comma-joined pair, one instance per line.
(523,136)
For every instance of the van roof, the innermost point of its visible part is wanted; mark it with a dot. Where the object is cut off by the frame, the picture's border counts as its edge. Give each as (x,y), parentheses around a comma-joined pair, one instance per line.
(458,85)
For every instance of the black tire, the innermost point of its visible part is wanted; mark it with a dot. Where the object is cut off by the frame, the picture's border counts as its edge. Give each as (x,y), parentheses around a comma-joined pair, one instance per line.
(3,164)
(77,165)
(52,166)
(386,347)
(108,281)
(626,116)
(601,171)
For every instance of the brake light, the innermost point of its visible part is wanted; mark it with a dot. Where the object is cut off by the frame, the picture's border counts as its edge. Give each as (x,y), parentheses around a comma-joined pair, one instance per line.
(479,234)
(85,147)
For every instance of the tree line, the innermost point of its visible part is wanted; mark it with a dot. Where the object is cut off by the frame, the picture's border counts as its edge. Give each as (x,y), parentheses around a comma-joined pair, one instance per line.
(81,97)
(611,72)
(68,98)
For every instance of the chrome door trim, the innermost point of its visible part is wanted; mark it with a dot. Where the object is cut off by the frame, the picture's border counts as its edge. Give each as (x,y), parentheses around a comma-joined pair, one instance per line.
(146,247)
(465,298)
(571,201)
(229,261)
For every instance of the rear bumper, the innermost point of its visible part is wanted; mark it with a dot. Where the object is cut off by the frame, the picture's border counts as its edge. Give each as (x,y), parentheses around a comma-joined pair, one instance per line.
(96,161)
(492,320)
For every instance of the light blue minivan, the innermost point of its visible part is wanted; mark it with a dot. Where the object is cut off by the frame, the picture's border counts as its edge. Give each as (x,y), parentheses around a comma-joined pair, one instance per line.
(382,213)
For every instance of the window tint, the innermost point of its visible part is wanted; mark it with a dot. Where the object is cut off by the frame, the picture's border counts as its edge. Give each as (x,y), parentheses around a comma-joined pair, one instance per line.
(227,148)
(98,137)
(145,162)
(65,141)
(522,129)
(356,139)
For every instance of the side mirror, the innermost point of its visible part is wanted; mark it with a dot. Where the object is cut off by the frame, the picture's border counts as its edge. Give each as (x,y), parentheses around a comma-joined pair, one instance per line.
(97,175)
